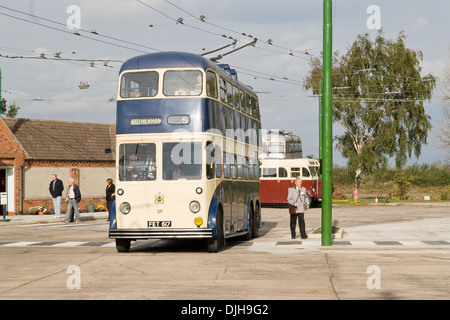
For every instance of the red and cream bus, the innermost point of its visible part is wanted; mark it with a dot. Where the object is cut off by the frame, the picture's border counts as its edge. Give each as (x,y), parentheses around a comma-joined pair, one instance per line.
(277,175)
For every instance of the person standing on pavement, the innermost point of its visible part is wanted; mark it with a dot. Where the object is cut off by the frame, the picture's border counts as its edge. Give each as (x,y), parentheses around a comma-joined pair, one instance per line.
(74,197)
(56,188)
(298,197)
(110,195)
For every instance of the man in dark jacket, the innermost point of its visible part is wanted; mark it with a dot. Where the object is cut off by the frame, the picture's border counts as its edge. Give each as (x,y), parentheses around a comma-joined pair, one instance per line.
(56,188)
(74,197)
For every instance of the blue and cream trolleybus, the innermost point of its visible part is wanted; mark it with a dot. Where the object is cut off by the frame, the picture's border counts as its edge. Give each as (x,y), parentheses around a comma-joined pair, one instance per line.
(186,152)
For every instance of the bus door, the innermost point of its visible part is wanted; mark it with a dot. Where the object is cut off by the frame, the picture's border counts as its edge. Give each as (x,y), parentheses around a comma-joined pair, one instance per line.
(315,176)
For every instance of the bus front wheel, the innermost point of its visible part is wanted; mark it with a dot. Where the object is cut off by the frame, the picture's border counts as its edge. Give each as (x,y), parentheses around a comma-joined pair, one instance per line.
(217,242)
(123,245)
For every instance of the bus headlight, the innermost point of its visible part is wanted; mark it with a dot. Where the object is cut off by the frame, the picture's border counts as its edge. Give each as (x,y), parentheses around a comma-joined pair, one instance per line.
(198,221)
(120,192)
(125,207)
(194,206)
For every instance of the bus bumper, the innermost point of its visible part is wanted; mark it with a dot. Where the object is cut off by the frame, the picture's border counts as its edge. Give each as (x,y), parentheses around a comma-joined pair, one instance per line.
(161,233)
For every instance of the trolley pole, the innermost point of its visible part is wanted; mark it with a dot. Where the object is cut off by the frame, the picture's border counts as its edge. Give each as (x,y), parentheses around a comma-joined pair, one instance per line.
(327,162)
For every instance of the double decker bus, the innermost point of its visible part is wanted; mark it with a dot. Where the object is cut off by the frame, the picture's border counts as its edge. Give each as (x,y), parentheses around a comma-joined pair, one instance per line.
(277,175)
(187,152)
(281,145)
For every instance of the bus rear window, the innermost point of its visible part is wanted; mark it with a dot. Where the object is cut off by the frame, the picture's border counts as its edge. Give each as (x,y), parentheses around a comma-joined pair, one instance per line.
(183,83)
(139,84)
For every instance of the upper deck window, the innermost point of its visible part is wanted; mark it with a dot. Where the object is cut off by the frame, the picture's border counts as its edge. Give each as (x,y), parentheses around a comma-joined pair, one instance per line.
(183,83)
(139,84)
(211,84)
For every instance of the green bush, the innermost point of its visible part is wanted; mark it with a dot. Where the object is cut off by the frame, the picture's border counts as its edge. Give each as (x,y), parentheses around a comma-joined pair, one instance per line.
(402,181)
(423,175)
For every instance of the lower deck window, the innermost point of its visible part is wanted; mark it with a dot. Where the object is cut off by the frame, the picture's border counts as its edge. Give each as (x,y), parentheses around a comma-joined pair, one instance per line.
(137,162)
(182,160)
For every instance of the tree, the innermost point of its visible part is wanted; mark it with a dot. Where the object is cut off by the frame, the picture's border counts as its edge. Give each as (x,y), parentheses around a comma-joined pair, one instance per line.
(378,97)
(10,111)
(444,130)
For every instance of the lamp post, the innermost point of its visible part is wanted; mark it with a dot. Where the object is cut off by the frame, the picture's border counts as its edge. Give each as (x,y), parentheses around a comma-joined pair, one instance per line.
(327,135)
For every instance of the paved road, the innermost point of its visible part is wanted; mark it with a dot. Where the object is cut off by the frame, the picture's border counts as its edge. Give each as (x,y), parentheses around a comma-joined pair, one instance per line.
(386,252)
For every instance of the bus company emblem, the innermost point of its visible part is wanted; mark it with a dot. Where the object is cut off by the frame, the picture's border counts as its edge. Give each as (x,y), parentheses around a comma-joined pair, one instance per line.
(159,198)
(149,121)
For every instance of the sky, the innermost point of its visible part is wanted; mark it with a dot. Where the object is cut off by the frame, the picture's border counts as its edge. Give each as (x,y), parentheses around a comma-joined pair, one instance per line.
(288,33)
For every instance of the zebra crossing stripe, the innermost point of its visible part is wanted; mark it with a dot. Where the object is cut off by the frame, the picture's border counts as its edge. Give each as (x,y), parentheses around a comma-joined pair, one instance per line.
(362,243)
(19,244)
(412,243)
(68,244)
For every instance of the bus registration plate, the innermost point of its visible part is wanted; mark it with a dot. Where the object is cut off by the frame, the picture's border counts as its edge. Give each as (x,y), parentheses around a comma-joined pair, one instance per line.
(158,224)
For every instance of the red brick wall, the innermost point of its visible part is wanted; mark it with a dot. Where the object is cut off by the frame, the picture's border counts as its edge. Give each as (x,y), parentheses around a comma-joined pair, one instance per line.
(11,151)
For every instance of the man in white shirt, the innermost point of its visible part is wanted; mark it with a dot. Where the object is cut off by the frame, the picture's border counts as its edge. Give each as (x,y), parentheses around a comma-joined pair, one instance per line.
(74,197)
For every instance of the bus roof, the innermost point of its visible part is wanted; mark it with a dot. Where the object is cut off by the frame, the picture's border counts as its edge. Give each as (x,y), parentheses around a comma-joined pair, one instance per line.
(174,59)
(274,163)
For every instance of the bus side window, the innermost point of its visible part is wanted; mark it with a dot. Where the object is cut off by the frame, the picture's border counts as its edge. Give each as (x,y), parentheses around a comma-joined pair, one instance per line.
(282,172)
(223,90)
(227,165)
(211,84)
(255,108)
(305,173)
(230,94)
(248,107)
(295,172)
(242,101)
(240,167)
(246,169)
(254,175)
(237,101)
(218,161)
(210,160)
(233,166)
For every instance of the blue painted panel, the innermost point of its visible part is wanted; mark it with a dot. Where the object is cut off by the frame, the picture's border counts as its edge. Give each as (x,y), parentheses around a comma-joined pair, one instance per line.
(112,216)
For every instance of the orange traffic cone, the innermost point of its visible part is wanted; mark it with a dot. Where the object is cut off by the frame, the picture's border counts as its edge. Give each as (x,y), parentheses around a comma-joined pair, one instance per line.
(376,199)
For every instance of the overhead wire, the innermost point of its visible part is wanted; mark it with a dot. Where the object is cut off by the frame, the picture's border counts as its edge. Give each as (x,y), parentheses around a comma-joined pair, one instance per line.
(78,33)
(203,19)
(181,21)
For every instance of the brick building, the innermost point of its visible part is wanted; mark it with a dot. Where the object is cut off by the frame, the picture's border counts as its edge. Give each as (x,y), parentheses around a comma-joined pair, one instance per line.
(32,150)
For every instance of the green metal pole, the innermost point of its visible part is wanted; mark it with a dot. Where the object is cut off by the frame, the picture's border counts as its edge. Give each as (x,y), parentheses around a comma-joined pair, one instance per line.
(320,126)
(327,162)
